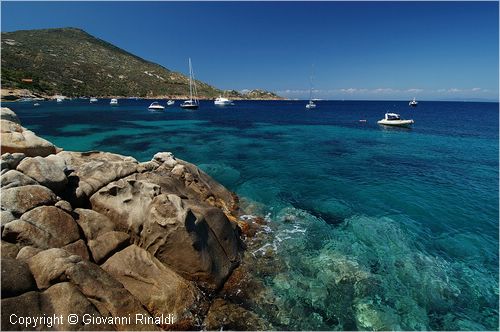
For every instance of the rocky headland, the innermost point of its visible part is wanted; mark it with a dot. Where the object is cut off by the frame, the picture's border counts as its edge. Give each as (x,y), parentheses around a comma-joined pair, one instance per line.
(102,235)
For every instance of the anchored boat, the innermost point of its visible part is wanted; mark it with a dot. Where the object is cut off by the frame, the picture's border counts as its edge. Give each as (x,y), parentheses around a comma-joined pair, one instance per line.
(192,103)
(393,119)
(155,106)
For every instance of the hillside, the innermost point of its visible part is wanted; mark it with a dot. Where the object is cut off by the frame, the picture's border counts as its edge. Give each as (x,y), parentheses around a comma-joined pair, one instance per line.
(71,62)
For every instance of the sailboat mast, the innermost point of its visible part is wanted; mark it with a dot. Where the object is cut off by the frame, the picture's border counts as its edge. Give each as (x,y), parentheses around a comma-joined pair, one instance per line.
(311,83)
(190,81)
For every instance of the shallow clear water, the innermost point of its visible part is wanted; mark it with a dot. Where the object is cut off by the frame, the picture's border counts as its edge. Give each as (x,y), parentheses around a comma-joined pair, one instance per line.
(372,228)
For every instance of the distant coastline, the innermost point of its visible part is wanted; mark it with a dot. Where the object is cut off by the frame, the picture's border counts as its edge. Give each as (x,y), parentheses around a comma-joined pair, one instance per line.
(20,94)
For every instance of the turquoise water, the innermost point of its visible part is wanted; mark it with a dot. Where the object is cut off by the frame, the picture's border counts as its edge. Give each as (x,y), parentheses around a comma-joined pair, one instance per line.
(370,227)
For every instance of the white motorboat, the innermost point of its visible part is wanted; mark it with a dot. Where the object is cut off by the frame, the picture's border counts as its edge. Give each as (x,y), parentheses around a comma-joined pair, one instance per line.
(59,100)
(223,101)
(93,100)
(170,102)
(36,104)
(114,102)
(192,103)
(393,119)
(413,103)
(155,106)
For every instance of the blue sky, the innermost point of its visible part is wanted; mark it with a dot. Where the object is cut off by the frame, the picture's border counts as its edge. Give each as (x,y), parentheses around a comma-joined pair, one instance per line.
(360,50)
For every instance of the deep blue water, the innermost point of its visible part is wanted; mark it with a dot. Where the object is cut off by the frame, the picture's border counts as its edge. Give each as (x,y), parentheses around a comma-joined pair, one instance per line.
(378,228)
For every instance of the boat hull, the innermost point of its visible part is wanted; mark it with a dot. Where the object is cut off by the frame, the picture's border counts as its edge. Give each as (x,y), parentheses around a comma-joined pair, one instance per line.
(396,123)
(156,108)
(190,107)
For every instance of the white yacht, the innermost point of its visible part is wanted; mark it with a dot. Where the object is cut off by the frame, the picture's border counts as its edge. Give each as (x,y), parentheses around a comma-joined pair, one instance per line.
(393,119)
(223,101)
(413,103)
(113,102)
(93,100)
(155,106)
(192,103)
(59,100)
(170,102)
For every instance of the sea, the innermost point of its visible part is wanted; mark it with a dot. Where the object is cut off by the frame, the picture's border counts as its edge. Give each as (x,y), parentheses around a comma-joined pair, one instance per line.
(369,227)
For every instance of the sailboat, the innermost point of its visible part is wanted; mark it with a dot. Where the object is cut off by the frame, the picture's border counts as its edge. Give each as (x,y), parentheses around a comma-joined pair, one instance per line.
(192,103)
(311,103)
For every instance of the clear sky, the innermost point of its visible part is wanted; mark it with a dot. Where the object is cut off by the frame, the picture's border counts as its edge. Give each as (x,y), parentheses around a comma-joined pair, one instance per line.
(360,50)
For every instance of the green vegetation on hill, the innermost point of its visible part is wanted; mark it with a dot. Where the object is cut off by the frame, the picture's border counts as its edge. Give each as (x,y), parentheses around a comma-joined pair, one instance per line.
(71,62)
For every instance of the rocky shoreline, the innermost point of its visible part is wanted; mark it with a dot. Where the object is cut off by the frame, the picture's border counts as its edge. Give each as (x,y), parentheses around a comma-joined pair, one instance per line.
(23,94)
(102,235)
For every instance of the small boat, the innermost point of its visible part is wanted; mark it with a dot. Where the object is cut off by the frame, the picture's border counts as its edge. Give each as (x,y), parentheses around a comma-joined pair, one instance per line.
(310,104)
(93,100)
(155,106)
(170,102)
(223,101)
(114,102)
(192,103)
(393,119)
(36,104)
(59,100)
(413,103)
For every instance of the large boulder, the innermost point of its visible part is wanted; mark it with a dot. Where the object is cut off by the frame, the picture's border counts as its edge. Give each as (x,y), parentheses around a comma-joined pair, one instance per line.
(45,171)
(125,203)
(93,170)
(195,239)
(160,290)
(16,278)
(13,178)
(9,250)
(43,227)
(106,294)
(93,223)
(178,235)
(106,244)
(7,114)
(59,300)
(26,305)
(78,248)
(64,299)
(17,139)
(21,199)
(11,160)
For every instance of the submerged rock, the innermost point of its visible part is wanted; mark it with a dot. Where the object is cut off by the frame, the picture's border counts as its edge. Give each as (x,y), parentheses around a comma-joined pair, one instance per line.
(228,316)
